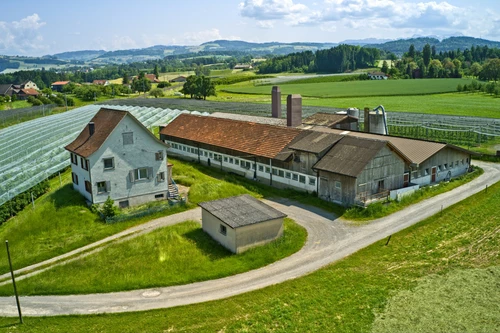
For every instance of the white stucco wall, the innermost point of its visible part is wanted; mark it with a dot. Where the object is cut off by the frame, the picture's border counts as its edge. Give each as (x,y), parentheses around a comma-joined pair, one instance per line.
(83,175)
(140,154)
(211,225)
(282,178)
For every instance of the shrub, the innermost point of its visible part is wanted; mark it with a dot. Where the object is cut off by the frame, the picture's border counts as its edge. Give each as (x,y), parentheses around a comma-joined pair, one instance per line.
(108,208)
(164,84)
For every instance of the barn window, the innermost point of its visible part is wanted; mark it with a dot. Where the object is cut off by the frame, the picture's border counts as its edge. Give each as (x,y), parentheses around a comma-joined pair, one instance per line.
(223,229)
(281,173)
(312,181)
(261,168)
(288,175)
(128,138)
(302,179)
(268,170)
(226,159)
(295,176)
(231,160)
(426,172)
(338,184)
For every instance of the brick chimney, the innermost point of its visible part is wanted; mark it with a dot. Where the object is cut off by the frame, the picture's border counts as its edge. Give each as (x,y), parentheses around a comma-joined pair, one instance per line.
(294,110)
(91,128)
(276,102)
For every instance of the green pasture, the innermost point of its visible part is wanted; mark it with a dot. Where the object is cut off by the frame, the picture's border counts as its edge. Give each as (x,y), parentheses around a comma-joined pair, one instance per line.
(361,293)
(174,255)
(361,88)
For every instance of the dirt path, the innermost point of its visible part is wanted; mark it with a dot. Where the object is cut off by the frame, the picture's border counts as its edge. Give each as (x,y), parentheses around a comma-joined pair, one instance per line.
(329,240)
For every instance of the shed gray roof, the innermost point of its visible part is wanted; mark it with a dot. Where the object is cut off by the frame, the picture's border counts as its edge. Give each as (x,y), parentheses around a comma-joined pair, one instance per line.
(350,156)
(241,210)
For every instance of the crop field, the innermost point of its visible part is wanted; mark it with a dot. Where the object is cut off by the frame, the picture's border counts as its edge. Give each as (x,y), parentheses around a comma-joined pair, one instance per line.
(361,88)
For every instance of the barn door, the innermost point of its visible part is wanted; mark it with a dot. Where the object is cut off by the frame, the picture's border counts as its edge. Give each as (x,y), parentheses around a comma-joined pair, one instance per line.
(406,179)
(324,191)
(433,174)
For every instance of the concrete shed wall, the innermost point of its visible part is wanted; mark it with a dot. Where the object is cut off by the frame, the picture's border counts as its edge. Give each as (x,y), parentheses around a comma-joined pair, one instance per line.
(211,225)
(258,234)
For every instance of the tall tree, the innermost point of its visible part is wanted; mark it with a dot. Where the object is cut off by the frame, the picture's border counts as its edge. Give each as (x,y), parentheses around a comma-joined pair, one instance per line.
(426,54)
(125,79)
(385,67)
(156,73)
(411,51)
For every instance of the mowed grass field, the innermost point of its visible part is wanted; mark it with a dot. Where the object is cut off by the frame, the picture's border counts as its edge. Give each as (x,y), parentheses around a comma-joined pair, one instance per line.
(360,88)
(447,262)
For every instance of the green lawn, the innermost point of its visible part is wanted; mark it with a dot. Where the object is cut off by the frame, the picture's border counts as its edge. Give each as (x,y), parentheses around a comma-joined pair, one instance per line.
(14,105)
(350,295)
(60,222)
(174,255)
(361,88)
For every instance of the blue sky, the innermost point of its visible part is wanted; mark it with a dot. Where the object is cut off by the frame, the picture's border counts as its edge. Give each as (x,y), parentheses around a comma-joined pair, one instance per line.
(52,26)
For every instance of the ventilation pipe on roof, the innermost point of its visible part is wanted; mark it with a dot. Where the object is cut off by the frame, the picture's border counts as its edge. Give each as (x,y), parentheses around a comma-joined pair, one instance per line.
(276,102)
(91,128)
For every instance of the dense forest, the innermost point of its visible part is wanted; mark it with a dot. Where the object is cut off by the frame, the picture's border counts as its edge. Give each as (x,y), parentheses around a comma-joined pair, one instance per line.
(337,59)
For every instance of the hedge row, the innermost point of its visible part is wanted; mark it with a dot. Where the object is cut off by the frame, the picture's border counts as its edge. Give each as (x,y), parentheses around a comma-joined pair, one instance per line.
(17,204)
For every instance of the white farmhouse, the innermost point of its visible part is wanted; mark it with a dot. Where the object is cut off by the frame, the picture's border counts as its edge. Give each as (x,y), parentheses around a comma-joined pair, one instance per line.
(116,156)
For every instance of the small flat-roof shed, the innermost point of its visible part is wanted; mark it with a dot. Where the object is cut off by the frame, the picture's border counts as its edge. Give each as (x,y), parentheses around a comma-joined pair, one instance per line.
(241,222)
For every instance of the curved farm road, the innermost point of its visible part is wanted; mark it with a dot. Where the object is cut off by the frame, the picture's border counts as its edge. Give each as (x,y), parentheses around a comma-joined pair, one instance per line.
(329,239)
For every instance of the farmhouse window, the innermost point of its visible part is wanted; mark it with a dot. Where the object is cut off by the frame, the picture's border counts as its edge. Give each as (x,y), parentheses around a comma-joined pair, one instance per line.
(183,148)
(193,151)
(140,174)
(88,186)
(302,179)
(74,177)
(74,159)
(295,176)
(245,164)
(159,155)
(109,163)
(160,177)
(128,138)
(223,229)
(84,163)
(103,187)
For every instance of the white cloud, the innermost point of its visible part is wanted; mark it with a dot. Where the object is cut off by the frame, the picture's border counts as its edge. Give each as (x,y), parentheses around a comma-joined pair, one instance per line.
(264,10)
(265,24)
(23,36)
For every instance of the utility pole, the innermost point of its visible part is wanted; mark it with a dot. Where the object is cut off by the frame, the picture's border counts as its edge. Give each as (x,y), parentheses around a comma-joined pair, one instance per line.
(14,283)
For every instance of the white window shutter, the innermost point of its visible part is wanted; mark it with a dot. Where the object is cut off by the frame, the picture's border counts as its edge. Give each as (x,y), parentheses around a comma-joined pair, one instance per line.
(131,175)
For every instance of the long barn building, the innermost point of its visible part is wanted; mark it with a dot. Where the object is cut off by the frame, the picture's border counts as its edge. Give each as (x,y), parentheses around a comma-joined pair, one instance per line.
(341,166)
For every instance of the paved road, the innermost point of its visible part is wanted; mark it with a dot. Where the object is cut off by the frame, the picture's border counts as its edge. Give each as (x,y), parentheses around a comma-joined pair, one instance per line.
(329,239)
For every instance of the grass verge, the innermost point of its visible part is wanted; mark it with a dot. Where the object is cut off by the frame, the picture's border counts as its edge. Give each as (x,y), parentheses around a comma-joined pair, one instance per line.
(174,255)
(381,209)
(343,297)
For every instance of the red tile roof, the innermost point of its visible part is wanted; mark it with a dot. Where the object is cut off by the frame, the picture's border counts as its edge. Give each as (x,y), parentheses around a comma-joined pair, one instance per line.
(60,83)
(105,122)
(30,91)
(151,77)
(246,137)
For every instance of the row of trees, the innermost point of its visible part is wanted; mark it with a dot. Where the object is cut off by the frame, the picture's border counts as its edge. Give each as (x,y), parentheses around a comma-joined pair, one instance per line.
(427,64)
(492,88)
(339,59)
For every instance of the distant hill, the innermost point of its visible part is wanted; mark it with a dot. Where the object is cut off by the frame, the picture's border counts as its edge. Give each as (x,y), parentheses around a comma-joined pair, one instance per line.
(400,46)
(276,48)
(365,41)
(83,55)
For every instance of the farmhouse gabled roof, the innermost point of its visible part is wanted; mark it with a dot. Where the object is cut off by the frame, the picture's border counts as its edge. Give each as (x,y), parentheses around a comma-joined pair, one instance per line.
(246,137)
(29,91)
(105,121)
(241,210)
(350,156)
(315,142)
